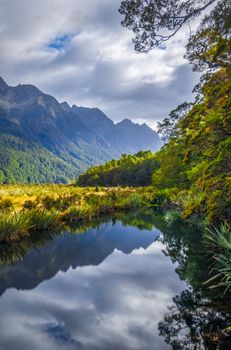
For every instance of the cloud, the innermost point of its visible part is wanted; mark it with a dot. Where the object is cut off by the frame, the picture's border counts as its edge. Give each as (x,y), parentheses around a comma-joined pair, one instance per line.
(77,51)
(116,305)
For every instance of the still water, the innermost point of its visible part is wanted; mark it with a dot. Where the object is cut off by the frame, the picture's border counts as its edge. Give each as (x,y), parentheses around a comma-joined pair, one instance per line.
(109,287)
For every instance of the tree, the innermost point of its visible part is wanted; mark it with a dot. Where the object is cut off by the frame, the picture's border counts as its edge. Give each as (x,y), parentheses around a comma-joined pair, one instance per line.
(210,47)
(193,322)
(156,21)
(169,127)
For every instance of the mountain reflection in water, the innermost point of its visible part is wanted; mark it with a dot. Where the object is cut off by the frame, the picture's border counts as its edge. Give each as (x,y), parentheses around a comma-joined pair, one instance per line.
(107,288)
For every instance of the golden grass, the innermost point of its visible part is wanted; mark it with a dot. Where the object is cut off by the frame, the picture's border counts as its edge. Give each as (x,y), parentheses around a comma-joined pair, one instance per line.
(59,205)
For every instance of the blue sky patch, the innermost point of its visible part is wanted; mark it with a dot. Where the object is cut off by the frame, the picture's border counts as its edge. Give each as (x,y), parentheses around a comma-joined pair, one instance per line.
(60,42)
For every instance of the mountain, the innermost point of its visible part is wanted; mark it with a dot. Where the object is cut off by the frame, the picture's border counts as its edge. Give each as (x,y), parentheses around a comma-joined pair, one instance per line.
(92,249)
(42,140)
(145,138)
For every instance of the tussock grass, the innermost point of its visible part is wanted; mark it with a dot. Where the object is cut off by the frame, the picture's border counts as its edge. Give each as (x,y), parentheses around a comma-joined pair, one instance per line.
(27,209)
(41,220)
(133,201)
(14,225)
(170,217)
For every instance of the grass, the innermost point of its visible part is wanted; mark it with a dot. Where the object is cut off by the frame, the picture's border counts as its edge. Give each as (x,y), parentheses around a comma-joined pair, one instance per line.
(42,220)
(27,209)
(170,217)
(13,226)
(218,242)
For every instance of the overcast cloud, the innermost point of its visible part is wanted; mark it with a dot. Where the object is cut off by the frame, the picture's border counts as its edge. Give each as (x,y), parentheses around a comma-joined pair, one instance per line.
(77,51)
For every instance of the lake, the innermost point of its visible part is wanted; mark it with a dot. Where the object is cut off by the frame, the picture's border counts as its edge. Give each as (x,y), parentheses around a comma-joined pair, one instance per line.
(123,283)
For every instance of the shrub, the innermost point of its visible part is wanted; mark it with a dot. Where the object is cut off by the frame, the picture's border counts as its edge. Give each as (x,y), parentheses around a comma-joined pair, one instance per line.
(219,206)
(192,203)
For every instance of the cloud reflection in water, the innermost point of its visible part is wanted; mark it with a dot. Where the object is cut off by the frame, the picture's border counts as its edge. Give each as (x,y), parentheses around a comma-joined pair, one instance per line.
(114,305)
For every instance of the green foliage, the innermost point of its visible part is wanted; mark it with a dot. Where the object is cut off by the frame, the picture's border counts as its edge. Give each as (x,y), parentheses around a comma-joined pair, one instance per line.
(129,170)
(168,128)
(210,46)
(41,220)
(201,146)
(6,205)
(13,226)
(194,166)
(74,214)
(60,203)
(51,208)
(133,202)
(218,241)
(154,22)
(162,197)
(193,169)
(170,217)
(26,162)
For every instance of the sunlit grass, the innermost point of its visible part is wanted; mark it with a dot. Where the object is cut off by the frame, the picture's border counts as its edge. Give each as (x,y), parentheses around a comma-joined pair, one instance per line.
(25,209)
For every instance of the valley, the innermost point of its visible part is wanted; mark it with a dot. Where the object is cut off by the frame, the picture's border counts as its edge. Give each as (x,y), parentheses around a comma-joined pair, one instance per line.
(44,141)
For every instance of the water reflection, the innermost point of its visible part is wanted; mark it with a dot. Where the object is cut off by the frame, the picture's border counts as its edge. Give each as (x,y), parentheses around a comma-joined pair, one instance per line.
(194,322)
(68,250)
(108,288)
(198,318)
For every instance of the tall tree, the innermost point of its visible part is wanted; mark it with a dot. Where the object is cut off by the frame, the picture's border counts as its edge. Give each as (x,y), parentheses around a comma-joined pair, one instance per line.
(210,47)
(156,21)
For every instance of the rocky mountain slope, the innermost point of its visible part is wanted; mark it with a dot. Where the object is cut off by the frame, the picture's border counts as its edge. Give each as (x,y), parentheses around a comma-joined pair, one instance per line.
(42,140)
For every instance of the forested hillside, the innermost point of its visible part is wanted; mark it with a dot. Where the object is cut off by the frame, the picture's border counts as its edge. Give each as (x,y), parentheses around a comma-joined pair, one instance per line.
(193,169)
(42,140)
(22,161)
(129,170)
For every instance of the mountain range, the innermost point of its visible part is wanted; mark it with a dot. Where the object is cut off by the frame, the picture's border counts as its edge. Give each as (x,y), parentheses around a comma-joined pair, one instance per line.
(91,248)
(42,140)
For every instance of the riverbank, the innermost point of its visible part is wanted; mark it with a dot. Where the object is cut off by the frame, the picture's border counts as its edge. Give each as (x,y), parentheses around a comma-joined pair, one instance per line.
(30,211)
(27,209)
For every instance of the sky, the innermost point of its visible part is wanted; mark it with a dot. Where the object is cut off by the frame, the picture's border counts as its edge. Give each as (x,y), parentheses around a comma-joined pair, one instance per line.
(109,291)
(77,51)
